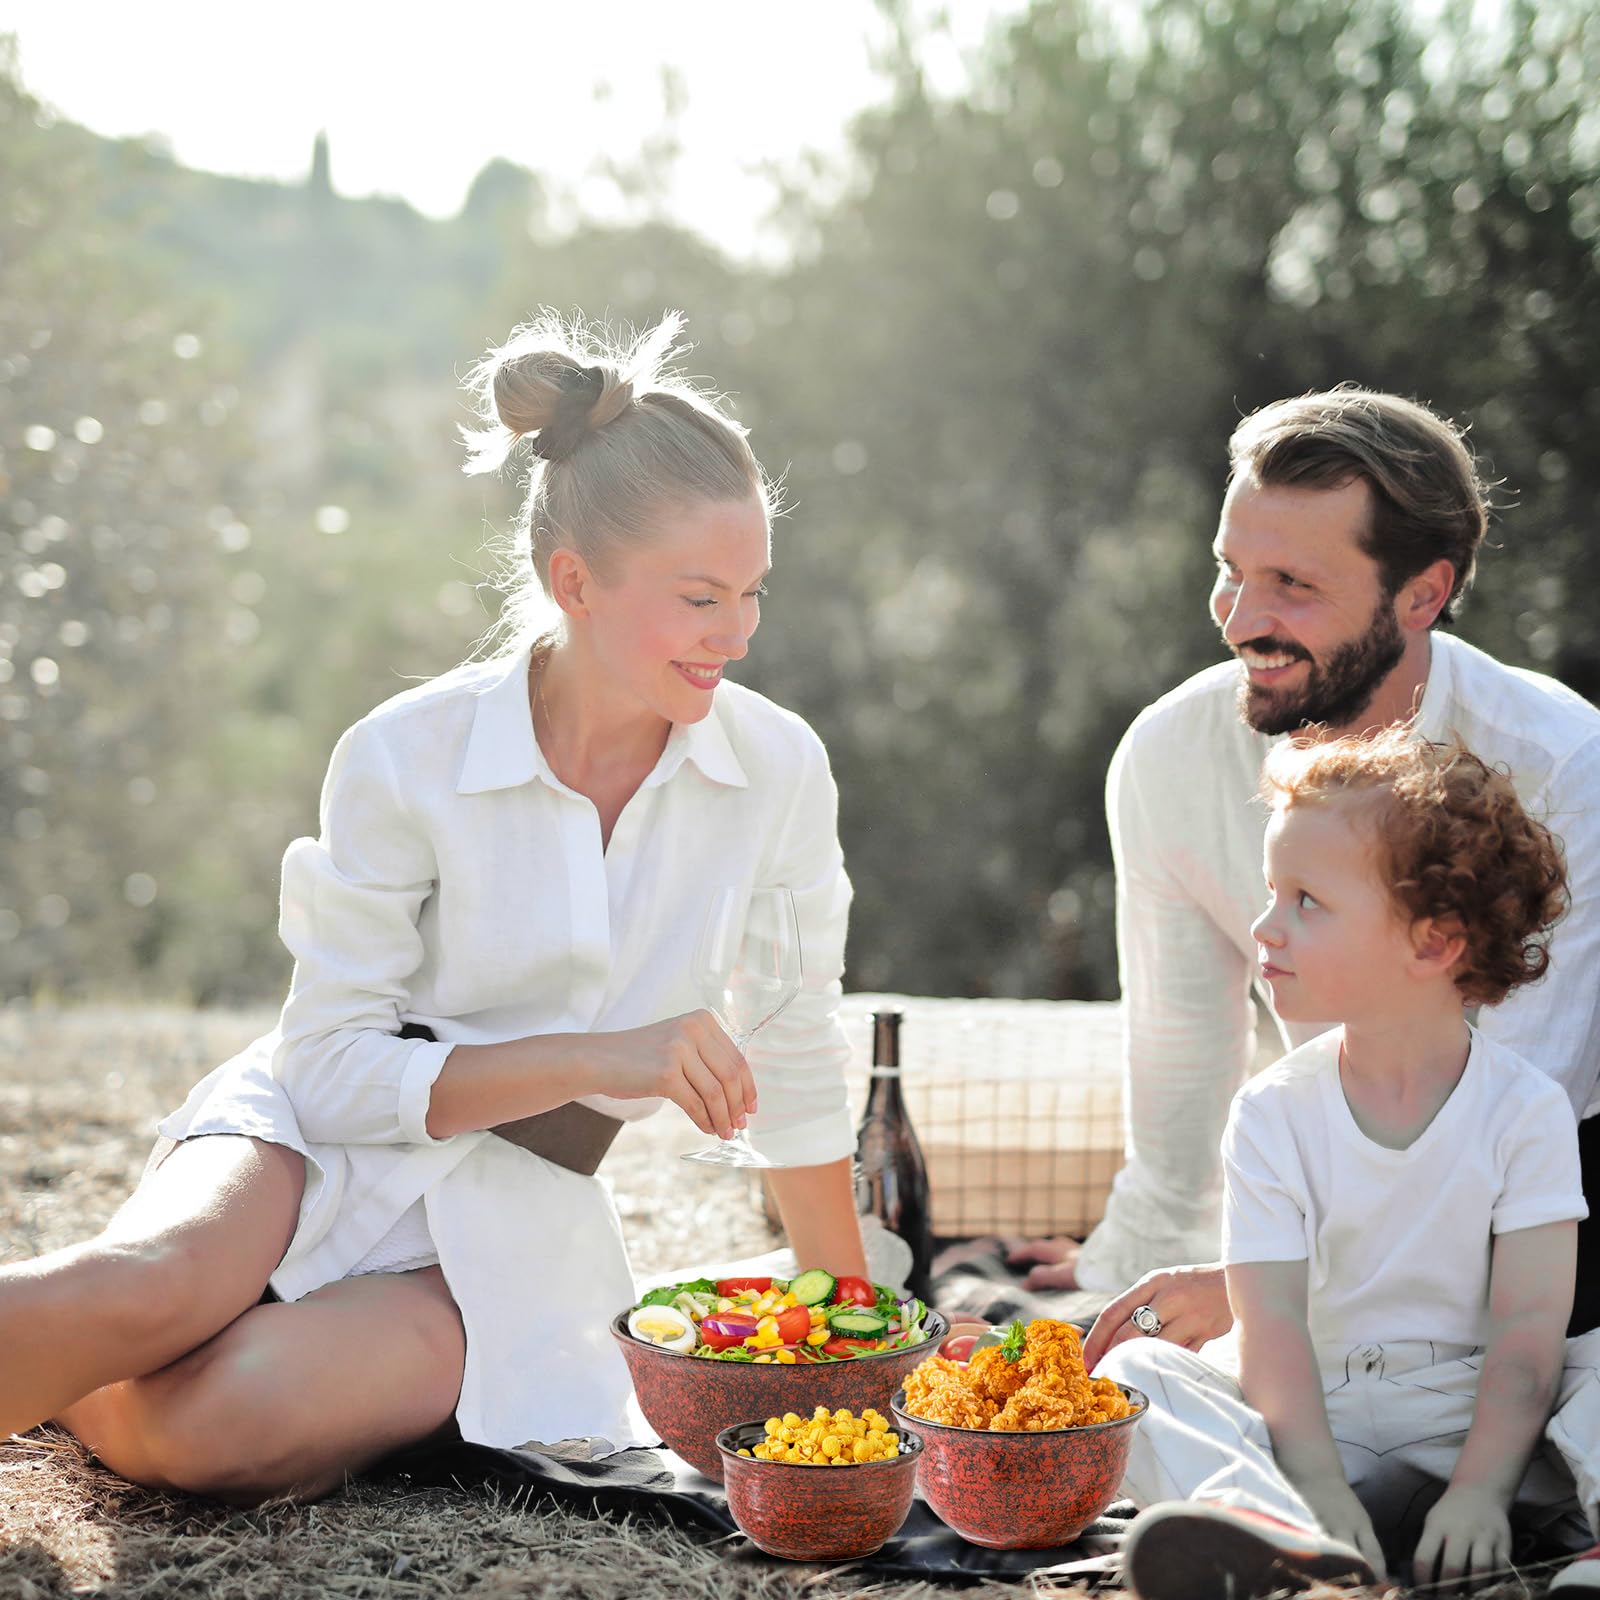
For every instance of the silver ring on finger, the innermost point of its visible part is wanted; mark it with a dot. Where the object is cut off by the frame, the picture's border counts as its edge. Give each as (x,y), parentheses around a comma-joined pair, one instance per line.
(1146,1321)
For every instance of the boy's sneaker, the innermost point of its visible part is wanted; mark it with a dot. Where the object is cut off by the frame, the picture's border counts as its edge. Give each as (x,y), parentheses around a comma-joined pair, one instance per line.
(1194,1550)
(1582,1572)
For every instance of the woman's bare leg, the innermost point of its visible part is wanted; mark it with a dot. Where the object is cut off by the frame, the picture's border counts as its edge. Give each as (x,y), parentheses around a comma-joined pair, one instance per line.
(290,1399)
(187,1254)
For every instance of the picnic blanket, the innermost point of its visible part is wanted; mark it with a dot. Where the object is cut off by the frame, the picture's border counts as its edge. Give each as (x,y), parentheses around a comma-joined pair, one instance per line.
(971,1280)
(657,1483)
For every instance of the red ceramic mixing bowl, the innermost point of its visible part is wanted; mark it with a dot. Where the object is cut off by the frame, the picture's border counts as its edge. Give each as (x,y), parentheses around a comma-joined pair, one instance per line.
(690,1399)
(816,1513)
(1021,1491)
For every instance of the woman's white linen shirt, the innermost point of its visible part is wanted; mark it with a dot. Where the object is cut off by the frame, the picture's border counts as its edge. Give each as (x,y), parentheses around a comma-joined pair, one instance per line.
(457,883)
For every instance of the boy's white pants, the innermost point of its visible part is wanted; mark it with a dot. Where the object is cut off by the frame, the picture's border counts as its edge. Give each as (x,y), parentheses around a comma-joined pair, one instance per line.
(1399,1413)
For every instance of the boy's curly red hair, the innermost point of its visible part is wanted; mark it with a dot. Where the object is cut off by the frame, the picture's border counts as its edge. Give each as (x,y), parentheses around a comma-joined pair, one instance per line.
(1451,840)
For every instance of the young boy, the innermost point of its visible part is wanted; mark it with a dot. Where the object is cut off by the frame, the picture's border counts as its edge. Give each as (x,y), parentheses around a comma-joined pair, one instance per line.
(1400,1213)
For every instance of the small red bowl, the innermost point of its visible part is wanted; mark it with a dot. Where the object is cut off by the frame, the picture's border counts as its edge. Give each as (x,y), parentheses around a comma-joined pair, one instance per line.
(816,1513)
(690,1399)
(1021,1491)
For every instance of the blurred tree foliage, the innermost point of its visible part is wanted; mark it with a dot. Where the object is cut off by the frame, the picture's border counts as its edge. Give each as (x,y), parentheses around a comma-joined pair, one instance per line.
(998,378)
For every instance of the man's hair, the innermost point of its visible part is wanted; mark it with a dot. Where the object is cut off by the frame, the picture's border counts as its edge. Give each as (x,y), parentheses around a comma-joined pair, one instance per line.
(1428,498)
(1451,841)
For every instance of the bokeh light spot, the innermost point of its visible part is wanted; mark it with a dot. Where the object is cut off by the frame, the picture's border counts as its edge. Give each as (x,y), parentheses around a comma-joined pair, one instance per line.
(849,457)
(53,911)
(139,889)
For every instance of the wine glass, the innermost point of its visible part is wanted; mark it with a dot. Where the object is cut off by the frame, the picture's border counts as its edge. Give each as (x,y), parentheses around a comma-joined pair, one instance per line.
(746,969)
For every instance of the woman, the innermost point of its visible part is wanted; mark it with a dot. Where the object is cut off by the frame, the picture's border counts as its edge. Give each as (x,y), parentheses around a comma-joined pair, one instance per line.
(330,1257)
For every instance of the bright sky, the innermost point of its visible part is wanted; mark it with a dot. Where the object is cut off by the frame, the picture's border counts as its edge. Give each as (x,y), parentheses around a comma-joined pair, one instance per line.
(416,108)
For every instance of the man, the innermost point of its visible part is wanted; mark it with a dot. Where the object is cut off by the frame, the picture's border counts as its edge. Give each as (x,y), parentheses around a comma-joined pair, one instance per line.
(1348,534)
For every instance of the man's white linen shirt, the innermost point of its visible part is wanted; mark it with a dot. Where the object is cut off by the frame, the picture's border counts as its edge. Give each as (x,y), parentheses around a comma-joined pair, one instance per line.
(459,884)
(1187,833)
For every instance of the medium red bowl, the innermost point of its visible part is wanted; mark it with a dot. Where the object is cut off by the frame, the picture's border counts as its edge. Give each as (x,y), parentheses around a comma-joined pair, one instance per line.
(816,1513)
(1021,1491)
(690,1399)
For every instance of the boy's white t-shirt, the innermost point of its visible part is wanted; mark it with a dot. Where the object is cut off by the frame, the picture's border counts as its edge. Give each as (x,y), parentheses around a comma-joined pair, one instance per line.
(1397,1242)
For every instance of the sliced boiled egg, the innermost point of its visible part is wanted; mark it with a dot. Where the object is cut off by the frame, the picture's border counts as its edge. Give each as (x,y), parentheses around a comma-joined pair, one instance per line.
(663,1325)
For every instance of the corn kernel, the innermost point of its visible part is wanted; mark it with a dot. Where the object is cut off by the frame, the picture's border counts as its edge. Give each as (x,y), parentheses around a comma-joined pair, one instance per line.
(817,1336)
(765,1361)
(786,1358)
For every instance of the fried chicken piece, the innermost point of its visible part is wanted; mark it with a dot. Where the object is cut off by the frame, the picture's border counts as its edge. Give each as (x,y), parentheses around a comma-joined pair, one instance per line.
(1046,1387)
(937,1389)
(995,1378)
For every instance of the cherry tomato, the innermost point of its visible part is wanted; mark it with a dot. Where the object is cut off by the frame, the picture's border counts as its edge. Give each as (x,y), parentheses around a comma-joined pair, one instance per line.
(727,1288)
(794,1323)
(726,1329)
(854,1292)
(841,1346)
(959,1348)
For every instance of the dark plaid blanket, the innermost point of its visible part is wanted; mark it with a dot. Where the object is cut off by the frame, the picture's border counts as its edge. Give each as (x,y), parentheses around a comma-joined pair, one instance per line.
(971,1278)
(656,1483)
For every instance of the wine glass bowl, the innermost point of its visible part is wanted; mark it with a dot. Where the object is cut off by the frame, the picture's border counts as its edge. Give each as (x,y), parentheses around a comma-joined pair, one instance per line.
(747,968)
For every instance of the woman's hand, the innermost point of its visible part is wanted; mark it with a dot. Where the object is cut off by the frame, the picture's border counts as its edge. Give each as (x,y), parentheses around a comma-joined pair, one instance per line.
(1192,1303)
(688,1060)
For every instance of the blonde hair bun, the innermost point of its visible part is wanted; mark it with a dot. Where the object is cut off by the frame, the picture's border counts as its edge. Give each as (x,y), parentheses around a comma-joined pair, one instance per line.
(614,434)
(555,383)
(556,402)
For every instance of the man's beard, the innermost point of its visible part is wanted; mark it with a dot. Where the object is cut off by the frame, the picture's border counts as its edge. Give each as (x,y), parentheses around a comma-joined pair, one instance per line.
(1336,691)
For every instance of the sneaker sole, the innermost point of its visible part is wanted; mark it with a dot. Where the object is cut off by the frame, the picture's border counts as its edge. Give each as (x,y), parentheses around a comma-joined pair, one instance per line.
(1192,1553)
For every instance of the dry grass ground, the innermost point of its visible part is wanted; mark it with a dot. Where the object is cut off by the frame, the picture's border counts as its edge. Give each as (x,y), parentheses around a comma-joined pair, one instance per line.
(79,1095)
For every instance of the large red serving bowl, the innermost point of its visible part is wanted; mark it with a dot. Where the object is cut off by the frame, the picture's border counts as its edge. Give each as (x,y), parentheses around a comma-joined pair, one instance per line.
(1021,1491)
(690,1399)
(816,1513)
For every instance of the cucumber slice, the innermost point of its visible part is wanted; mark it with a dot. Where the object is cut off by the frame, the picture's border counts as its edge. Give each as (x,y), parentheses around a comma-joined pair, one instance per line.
(860,1322)
(814,1287)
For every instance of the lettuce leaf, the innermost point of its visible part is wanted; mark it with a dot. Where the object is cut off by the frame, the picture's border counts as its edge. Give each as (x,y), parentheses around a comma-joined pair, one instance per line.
(665,1295)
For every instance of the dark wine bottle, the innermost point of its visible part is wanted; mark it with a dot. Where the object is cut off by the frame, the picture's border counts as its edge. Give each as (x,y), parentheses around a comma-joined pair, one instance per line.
(891,1176)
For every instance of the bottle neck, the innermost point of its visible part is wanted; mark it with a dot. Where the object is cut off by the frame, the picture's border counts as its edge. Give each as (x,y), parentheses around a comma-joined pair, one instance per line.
(883,1092)
(884,1089)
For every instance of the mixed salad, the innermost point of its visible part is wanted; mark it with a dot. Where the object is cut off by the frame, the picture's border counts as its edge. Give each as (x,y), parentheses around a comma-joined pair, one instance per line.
(812,1317)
